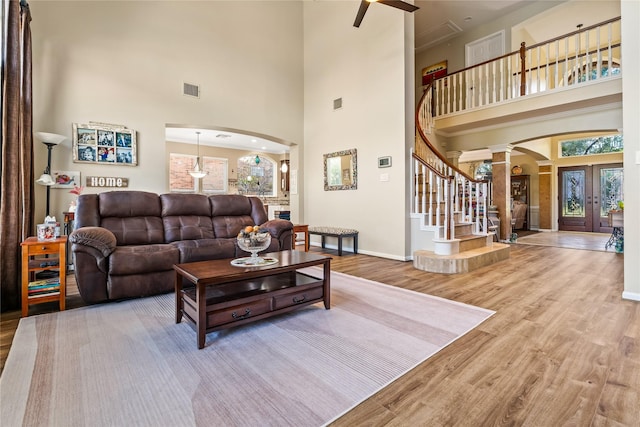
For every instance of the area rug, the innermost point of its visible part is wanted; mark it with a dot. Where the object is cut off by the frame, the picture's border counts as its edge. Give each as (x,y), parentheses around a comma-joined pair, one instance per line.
(129,363)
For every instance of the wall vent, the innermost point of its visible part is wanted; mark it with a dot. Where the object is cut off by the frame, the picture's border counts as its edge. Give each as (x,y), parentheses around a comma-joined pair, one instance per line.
(189,89)
(337,104)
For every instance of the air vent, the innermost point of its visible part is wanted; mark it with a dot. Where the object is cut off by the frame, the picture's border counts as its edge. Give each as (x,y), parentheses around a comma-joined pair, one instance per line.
(223,136)
(191,90)
(337,103)
(435,35)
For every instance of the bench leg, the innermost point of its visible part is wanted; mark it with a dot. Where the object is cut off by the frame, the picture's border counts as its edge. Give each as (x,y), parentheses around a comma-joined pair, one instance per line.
(322,242)
(355,244)
(339,245)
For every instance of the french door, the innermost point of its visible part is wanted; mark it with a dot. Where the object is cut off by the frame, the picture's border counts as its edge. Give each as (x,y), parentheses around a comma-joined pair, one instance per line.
(587,194)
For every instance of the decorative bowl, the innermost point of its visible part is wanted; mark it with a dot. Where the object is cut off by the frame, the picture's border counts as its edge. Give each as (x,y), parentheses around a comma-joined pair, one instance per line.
(254,242)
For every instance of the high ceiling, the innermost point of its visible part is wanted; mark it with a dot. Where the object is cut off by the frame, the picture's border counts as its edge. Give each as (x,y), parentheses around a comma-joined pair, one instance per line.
(437,21)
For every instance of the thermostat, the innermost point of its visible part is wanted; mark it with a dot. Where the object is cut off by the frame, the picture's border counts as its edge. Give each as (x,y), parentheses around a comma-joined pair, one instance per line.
(384,162)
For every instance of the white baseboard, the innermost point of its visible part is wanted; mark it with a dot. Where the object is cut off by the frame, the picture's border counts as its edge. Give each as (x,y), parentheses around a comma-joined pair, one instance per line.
(633,296)
(349,249)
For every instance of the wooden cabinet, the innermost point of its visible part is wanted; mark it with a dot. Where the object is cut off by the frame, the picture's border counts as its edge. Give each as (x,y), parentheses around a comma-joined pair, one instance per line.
(43,256)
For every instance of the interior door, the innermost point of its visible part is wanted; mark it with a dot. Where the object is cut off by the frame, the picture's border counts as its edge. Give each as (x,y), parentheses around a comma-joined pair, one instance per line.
(586,195)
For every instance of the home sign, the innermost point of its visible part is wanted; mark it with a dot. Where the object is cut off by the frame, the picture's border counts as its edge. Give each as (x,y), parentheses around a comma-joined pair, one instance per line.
(106,181)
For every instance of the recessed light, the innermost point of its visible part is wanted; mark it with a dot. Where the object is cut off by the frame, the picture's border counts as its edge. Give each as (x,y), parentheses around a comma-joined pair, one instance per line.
(264,148)
(254,140)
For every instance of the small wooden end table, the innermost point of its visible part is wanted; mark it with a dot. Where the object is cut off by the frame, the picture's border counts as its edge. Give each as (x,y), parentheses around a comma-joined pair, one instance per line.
(36,257)
(225,295)
(301,228)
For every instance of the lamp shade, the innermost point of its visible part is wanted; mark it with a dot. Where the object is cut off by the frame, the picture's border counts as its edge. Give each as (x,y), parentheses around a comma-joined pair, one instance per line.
(50,138)
(45,179)
(197,172)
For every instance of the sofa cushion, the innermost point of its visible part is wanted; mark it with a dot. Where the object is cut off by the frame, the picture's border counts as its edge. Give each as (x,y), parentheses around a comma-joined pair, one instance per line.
(201,250)
(186,217)
(135,231)
(132,216)
(231,213)
(143,259)
(127,204)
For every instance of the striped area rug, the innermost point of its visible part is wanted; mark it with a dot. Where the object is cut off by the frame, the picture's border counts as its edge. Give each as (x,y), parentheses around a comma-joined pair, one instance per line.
(130,364)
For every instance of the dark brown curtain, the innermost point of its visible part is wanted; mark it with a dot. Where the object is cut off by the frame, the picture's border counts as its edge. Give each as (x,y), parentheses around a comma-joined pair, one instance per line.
(16,175)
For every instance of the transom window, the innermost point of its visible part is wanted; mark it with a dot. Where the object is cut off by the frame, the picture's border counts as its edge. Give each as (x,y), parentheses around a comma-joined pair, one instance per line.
(588,146)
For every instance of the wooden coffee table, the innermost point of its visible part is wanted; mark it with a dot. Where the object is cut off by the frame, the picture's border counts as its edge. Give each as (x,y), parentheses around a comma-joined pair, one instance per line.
(225,295)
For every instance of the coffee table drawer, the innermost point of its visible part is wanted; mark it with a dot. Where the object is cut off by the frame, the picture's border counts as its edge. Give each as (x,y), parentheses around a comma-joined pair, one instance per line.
(297,298)
(239,312)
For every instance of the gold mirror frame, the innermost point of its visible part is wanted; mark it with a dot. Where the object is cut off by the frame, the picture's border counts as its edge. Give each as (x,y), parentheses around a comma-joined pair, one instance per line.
(341,170)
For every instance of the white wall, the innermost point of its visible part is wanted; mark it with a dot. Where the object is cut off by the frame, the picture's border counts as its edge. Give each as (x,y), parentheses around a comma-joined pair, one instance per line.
(366,68)
(631,132)
(125,62)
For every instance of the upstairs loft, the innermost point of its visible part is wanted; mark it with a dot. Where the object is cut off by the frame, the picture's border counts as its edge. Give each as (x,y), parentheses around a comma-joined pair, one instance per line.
(572,83)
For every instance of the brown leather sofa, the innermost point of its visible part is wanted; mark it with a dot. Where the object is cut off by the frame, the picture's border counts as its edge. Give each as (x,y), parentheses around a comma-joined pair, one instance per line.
(125,243)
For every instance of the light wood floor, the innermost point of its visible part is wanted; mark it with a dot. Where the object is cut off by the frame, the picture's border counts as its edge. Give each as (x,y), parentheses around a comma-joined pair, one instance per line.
(562,349)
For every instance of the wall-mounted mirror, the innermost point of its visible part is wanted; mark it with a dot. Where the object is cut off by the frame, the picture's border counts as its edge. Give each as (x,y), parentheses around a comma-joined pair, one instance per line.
(341,170)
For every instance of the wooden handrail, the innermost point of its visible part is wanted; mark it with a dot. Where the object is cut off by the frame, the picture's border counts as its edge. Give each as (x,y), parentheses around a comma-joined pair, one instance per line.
(428,166)
(581,30)
(562,60)
(519,51)
(426,141)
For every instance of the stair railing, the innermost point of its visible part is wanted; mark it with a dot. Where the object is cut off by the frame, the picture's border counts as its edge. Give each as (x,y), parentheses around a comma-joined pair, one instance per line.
(588,54)
(585,55)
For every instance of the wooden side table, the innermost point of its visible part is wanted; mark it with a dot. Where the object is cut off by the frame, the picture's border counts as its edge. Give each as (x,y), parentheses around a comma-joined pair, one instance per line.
(43,255)
(301,228)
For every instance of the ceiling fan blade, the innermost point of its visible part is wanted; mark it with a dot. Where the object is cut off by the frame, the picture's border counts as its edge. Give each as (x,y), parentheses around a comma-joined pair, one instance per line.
(364,5)
(398,4)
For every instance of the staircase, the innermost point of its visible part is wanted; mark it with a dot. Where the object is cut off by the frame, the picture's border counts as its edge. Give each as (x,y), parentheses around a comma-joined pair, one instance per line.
(451,235)
(448,209)
(448,221)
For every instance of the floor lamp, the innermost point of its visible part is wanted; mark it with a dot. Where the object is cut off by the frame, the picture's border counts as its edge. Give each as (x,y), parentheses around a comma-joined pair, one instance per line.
(50,140)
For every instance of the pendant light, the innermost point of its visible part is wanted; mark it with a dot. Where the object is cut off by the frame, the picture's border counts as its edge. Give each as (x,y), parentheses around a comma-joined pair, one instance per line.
(285,167)
(257,160)
(197,171)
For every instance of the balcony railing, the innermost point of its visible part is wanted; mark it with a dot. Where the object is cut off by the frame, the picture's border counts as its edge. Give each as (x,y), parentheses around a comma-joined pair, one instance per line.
(442,193)
(583,56)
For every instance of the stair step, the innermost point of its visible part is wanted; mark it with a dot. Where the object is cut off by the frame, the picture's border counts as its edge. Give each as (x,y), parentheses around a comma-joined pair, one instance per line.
(471,241)
(462,262)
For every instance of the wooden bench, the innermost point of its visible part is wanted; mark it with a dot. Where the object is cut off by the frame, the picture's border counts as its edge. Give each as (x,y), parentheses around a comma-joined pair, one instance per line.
(340,233)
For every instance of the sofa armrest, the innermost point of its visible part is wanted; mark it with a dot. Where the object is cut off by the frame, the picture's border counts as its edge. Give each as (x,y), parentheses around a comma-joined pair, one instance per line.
(92,247)
(276,227)
(282,230)
(101,239)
